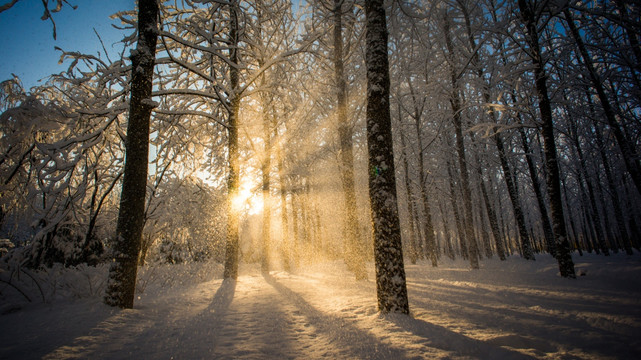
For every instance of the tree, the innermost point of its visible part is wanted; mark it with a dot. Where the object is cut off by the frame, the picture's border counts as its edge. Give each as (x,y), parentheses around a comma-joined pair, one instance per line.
(456,106)
(354,254)
(553,176)
(233,179)
(391,287)
(123,269)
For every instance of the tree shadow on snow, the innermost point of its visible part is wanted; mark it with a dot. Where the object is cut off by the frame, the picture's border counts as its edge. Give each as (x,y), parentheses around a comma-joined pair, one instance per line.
(349,340)
(28,336)
(442,338)
(199,337)
(223,297)
(352,341)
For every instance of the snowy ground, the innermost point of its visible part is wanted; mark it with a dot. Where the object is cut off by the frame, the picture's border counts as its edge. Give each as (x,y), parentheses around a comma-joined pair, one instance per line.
(510,310)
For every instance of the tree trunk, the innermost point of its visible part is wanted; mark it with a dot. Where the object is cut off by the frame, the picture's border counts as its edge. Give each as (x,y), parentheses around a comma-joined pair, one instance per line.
(295,226)
(596,218)
(122,272)
(286,240)
(414,252)
(553,176)
(354,252)
(457,214)
(391,287)
(267,215)
(513,192)
(494,226)
(428,227)
(614,194)
(455,102)
(233,179)
(267,115)
(536,184)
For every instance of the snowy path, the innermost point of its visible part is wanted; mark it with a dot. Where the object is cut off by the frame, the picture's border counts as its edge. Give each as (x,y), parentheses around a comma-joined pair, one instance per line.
(513,310)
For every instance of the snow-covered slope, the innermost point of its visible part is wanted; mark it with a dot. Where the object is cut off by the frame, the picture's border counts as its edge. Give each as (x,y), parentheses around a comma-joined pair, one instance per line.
(505,310)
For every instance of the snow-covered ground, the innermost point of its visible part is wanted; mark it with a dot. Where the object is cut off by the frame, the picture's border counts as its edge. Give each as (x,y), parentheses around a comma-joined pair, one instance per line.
(506,310)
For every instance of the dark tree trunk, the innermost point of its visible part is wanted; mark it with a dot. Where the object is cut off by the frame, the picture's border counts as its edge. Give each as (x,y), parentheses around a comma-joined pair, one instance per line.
(596,218)
(391,286)
(513,192)
(494,225)
(122,272)
(446,231)
(553,175)
(614,194)
(536,184)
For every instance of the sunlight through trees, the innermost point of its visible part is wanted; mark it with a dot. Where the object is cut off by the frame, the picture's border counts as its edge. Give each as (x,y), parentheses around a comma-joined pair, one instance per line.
(286,134)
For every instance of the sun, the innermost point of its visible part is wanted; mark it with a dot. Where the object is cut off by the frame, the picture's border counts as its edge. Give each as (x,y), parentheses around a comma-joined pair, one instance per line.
(248,199)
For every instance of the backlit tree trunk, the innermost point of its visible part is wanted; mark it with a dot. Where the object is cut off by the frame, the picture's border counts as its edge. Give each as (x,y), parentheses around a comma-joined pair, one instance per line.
(232,249)
(354,252)
(122,272)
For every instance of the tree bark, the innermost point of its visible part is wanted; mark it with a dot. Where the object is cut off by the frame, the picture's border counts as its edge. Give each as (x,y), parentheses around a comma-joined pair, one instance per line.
(414,252)
(553,175)
(267,207)
(494,225)
(354,254)
(513,192)
(455,209)
(614,194)
(455,102)
(536,184)
(286,240)
(233,177)
(122,272)
(596,218)
(391,286)
(428,227)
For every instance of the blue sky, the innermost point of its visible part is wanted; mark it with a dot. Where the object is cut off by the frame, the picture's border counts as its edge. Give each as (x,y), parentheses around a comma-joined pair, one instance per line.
(27,43)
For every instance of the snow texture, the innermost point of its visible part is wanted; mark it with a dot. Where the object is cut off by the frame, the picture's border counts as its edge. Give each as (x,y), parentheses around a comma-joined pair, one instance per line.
(515,309)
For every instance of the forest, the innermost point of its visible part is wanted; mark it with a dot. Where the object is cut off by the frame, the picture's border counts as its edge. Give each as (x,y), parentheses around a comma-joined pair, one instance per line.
(279,179)
(286,134)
